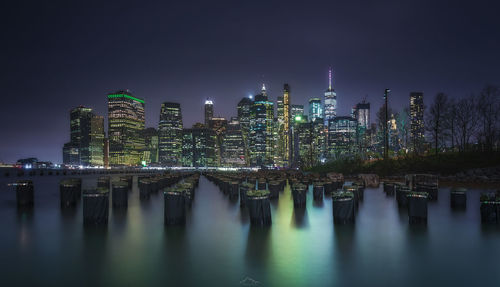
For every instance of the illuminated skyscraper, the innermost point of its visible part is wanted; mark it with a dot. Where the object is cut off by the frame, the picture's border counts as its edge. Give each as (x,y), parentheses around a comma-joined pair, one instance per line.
(261,130)
(318,141)
(80,125)
(125,122)
(270,143)
(315,109)
(287,129)
(330,100)
(244,115)
(78,150)
(233,149)
(342,136)
(209,111)
(170,134)
(96,147)
(417,121)
(219,126)
(198,147)
(361,113)
(279,109)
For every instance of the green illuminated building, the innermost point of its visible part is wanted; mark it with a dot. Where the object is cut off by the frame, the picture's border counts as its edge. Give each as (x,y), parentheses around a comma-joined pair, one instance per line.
(125,123)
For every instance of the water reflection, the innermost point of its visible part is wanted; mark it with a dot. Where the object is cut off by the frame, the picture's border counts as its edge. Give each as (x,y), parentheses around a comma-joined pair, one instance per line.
(94,254)
(403,215)
(318,203)
(257,250)
(218,246)
(344,240)
(119,218)
(244,216)
(299,218)
(68,214)
(25,215)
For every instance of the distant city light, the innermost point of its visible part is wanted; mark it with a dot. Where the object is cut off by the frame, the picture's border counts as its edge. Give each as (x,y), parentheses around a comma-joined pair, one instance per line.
(298,118)
(209,102)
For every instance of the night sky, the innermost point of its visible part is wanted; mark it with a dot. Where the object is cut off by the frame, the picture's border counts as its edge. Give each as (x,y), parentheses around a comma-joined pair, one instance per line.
(56,56)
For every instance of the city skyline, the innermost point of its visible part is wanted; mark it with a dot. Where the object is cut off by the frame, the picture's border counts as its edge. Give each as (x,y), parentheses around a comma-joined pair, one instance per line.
(263,134)
(218,114)
(62,60)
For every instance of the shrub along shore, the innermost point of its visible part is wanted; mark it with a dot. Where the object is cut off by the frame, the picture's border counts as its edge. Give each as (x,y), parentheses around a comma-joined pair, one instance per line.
(480,169)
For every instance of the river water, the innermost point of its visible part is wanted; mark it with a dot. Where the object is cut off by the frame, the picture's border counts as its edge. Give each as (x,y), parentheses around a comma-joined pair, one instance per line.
(217,247)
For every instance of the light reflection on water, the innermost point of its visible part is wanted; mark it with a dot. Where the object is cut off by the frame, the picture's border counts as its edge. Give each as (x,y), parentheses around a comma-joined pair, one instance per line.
(218,247)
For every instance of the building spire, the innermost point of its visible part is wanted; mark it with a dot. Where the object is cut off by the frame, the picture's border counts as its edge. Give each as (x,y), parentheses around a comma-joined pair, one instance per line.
(263,87)
(330,79)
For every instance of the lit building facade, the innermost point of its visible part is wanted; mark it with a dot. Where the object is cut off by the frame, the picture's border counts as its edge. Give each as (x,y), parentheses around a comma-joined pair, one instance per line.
(303,149)
(280,108)
(198,147)
(150,154)
(287,129)
(209,111)
(125,122)
(96,150)
(86,138)
(70,154)
(233,148)
(296,111)
(261,130)
(318,141)
(170,134)
(315,109)
(342,137)
(244,115)
(219,126)
(361,112)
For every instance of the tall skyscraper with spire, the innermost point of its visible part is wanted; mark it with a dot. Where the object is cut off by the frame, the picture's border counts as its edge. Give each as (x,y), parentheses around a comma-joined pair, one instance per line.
(330,100)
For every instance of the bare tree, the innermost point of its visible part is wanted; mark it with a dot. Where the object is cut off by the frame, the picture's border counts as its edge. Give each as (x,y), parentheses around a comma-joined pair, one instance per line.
(435,119)
(466,121)
(488,114)
(450,124)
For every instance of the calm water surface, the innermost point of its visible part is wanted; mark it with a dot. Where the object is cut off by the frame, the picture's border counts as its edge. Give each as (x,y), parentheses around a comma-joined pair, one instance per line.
(217,247)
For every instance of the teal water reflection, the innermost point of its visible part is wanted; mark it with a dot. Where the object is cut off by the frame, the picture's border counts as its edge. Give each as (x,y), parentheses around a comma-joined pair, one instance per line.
(217,247)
